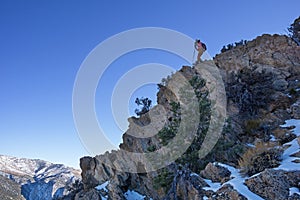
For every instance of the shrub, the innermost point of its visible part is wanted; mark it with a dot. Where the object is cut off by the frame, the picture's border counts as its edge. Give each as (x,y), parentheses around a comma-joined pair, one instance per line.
(251,126)
(166,134)
(145,103)
(293,91)
(294,30)
(163,180)
(169,131)
(259,158)
(151,148)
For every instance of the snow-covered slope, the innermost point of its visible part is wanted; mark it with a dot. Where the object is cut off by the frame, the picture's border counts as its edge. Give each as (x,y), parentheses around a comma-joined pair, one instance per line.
(38,179)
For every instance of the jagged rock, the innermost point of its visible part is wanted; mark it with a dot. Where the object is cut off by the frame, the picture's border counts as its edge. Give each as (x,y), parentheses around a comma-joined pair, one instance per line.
(273,184)
(216,173)
(227,192)
(88,165)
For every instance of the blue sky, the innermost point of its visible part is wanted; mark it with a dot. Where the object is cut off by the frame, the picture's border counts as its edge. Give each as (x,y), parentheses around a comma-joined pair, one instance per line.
(43,43)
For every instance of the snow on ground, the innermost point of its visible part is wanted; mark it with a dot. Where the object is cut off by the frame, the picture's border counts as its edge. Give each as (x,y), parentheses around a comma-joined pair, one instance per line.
(294,190)
(212,186)
(129,195)
(286,164)
(236,181)
(293,122)
(132,195)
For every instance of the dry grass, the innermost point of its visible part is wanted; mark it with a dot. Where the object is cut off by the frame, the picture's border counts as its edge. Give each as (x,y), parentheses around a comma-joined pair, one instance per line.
(259,158)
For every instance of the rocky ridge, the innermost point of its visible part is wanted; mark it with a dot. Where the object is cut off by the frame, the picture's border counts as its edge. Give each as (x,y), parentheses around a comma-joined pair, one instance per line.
(261,80)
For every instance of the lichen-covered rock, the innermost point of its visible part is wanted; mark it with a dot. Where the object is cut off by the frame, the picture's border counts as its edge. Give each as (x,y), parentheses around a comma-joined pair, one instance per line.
(216,173)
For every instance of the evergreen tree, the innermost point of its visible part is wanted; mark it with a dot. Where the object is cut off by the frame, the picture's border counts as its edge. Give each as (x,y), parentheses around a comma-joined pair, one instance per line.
(294,30)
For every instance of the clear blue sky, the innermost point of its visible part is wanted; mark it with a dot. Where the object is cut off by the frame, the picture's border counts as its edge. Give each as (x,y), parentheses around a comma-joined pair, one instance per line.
(43,43)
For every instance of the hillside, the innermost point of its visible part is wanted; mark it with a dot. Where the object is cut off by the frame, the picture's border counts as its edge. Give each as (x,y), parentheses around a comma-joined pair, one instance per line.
(256,156)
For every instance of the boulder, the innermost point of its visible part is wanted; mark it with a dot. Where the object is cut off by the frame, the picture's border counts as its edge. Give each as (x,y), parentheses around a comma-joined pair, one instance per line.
(227,192)
(215,173)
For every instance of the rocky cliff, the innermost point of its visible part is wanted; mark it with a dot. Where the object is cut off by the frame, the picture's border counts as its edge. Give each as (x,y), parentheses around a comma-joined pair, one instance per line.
(262,84)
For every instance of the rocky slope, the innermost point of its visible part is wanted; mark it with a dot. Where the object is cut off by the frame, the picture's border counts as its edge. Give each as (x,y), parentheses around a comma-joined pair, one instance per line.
(33,179)
(256,157)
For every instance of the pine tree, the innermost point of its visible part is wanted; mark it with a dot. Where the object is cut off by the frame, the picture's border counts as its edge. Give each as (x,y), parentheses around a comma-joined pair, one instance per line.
(294,30)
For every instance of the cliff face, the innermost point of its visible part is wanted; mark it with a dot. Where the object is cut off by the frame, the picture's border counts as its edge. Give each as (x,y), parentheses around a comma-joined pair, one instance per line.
(262,84)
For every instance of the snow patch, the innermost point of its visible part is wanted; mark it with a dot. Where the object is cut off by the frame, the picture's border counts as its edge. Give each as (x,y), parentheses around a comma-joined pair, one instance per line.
(294,190)
(287,163)
(273,139)
(102,186)
(212,186)
(250,145)
(293,122)
(132,195)
(194,174)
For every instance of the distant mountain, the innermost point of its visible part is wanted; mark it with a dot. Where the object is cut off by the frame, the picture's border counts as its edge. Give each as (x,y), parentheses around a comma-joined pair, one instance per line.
(34,179)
